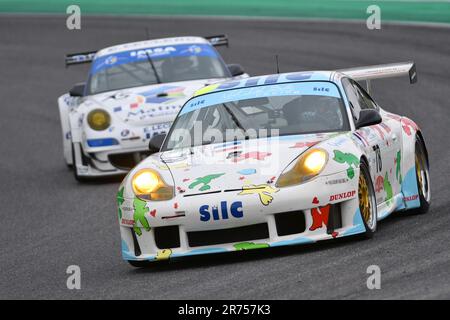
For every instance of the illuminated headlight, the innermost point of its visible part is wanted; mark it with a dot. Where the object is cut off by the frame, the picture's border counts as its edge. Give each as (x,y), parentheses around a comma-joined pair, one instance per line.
(148,185)
(98,119)
(306,167)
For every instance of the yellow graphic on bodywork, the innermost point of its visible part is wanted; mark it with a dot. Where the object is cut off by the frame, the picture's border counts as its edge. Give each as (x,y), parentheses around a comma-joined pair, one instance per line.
(264,191)
(163,254)
(206,89)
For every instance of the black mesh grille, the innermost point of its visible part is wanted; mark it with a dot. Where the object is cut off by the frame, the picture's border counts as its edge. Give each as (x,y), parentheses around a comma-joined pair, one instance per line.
(167,237)
(290,222)
(212,237)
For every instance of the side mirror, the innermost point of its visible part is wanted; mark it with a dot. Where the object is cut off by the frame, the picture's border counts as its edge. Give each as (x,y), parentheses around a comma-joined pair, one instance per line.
(235,69)
(368,117)
(156,142)
(77,90)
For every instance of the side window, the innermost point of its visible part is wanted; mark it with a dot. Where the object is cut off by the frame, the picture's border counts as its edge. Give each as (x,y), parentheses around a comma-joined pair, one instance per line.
(352,97)
(365,101)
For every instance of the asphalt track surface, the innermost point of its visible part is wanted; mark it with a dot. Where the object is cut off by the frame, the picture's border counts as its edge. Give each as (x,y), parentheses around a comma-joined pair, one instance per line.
(49,221)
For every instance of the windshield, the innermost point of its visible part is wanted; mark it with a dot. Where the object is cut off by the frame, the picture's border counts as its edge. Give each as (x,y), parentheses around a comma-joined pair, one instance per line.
(155,65)
(282,109)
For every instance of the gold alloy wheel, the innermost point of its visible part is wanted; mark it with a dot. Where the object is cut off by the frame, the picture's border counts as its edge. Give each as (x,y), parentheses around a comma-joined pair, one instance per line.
(419,173)
(364,199)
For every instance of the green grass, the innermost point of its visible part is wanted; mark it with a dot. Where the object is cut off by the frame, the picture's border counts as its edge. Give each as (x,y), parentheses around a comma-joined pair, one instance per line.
(423,11)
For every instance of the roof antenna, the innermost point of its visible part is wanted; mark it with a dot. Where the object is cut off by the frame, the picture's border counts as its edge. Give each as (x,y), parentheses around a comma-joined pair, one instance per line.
(147,33)
(278,67)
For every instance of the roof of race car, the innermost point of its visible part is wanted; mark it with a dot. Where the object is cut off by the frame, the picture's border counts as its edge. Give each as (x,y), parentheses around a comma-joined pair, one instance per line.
(267,80)
(150,43)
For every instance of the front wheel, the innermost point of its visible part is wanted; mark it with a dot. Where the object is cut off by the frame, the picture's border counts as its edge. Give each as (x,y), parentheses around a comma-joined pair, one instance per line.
(367,201)
(422,176)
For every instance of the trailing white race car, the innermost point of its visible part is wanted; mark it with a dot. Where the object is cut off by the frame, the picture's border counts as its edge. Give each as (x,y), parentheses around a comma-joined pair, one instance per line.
(274,160)
(133,92)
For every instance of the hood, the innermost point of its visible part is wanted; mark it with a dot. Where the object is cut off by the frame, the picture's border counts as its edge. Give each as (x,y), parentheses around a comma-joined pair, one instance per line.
(235,164)
(158,103)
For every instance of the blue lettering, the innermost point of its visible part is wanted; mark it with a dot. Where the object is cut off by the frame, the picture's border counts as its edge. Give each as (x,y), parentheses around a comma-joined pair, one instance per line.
(236,209)
(215,213)
(204,213)
(223,207)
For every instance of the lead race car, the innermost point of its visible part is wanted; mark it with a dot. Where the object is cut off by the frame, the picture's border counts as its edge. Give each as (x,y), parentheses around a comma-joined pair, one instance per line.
(133,92)
(311,156)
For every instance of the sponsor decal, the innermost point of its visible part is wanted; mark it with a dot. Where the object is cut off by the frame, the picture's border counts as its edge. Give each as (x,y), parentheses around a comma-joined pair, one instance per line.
(264,191)
(411,198)
(127,222)
(222,212)
(125,132)
(342,196)
(337,181)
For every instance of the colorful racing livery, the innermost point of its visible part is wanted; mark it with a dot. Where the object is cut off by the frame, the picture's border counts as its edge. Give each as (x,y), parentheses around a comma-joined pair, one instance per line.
(133,92)
(313,158)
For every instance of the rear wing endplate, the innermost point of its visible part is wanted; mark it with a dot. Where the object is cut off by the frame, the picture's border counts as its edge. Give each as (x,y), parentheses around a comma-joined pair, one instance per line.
(382,71)
(78,58)
(219,40)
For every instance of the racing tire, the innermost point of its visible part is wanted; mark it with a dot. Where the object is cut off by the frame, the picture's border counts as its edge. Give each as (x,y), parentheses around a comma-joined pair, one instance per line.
(367,201)
(422,169)
(139,264)
(74,166)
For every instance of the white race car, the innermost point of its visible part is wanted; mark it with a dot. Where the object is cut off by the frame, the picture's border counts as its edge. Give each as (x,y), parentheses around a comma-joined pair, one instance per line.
(274,160)
(133,92)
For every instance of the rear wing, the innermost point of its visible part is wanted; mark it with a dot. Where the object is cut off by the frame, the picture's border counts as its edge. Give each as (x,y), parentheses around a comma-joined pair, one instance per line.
(78,58)
(88,56)
(382,71)
(219,40)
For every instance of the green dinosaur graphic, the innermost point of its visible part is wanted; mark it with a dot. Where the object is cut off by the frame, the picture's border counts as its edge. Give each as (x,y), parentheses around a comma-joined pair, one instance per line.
(398,173)
(388,188)
(250,245)
(350,159)
(140,209)
(120,200)
(206,180)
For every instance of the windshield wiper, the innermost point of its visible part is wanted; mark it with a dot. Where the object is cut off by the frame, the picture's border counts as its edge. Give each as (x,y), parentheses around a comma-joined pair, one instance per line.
(235,120)
(158,80)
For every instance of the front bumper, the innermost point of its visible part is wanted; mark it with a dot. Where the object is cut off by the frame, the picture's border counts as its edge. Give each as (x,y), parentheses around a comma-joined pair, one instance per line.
(182,227)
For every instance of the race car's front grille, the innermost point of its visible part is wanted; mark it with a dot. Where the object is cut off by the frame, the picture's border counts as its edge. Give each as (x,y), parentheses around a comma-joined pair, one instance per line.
(212,237)
(290,222)
(167,237)
(126,161)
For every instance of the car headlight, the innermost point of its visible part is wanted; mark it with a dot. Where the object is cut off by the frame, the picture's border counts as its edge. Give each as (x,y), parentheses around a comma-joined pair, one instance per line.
(99,119)
(306,167)
(149,185)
